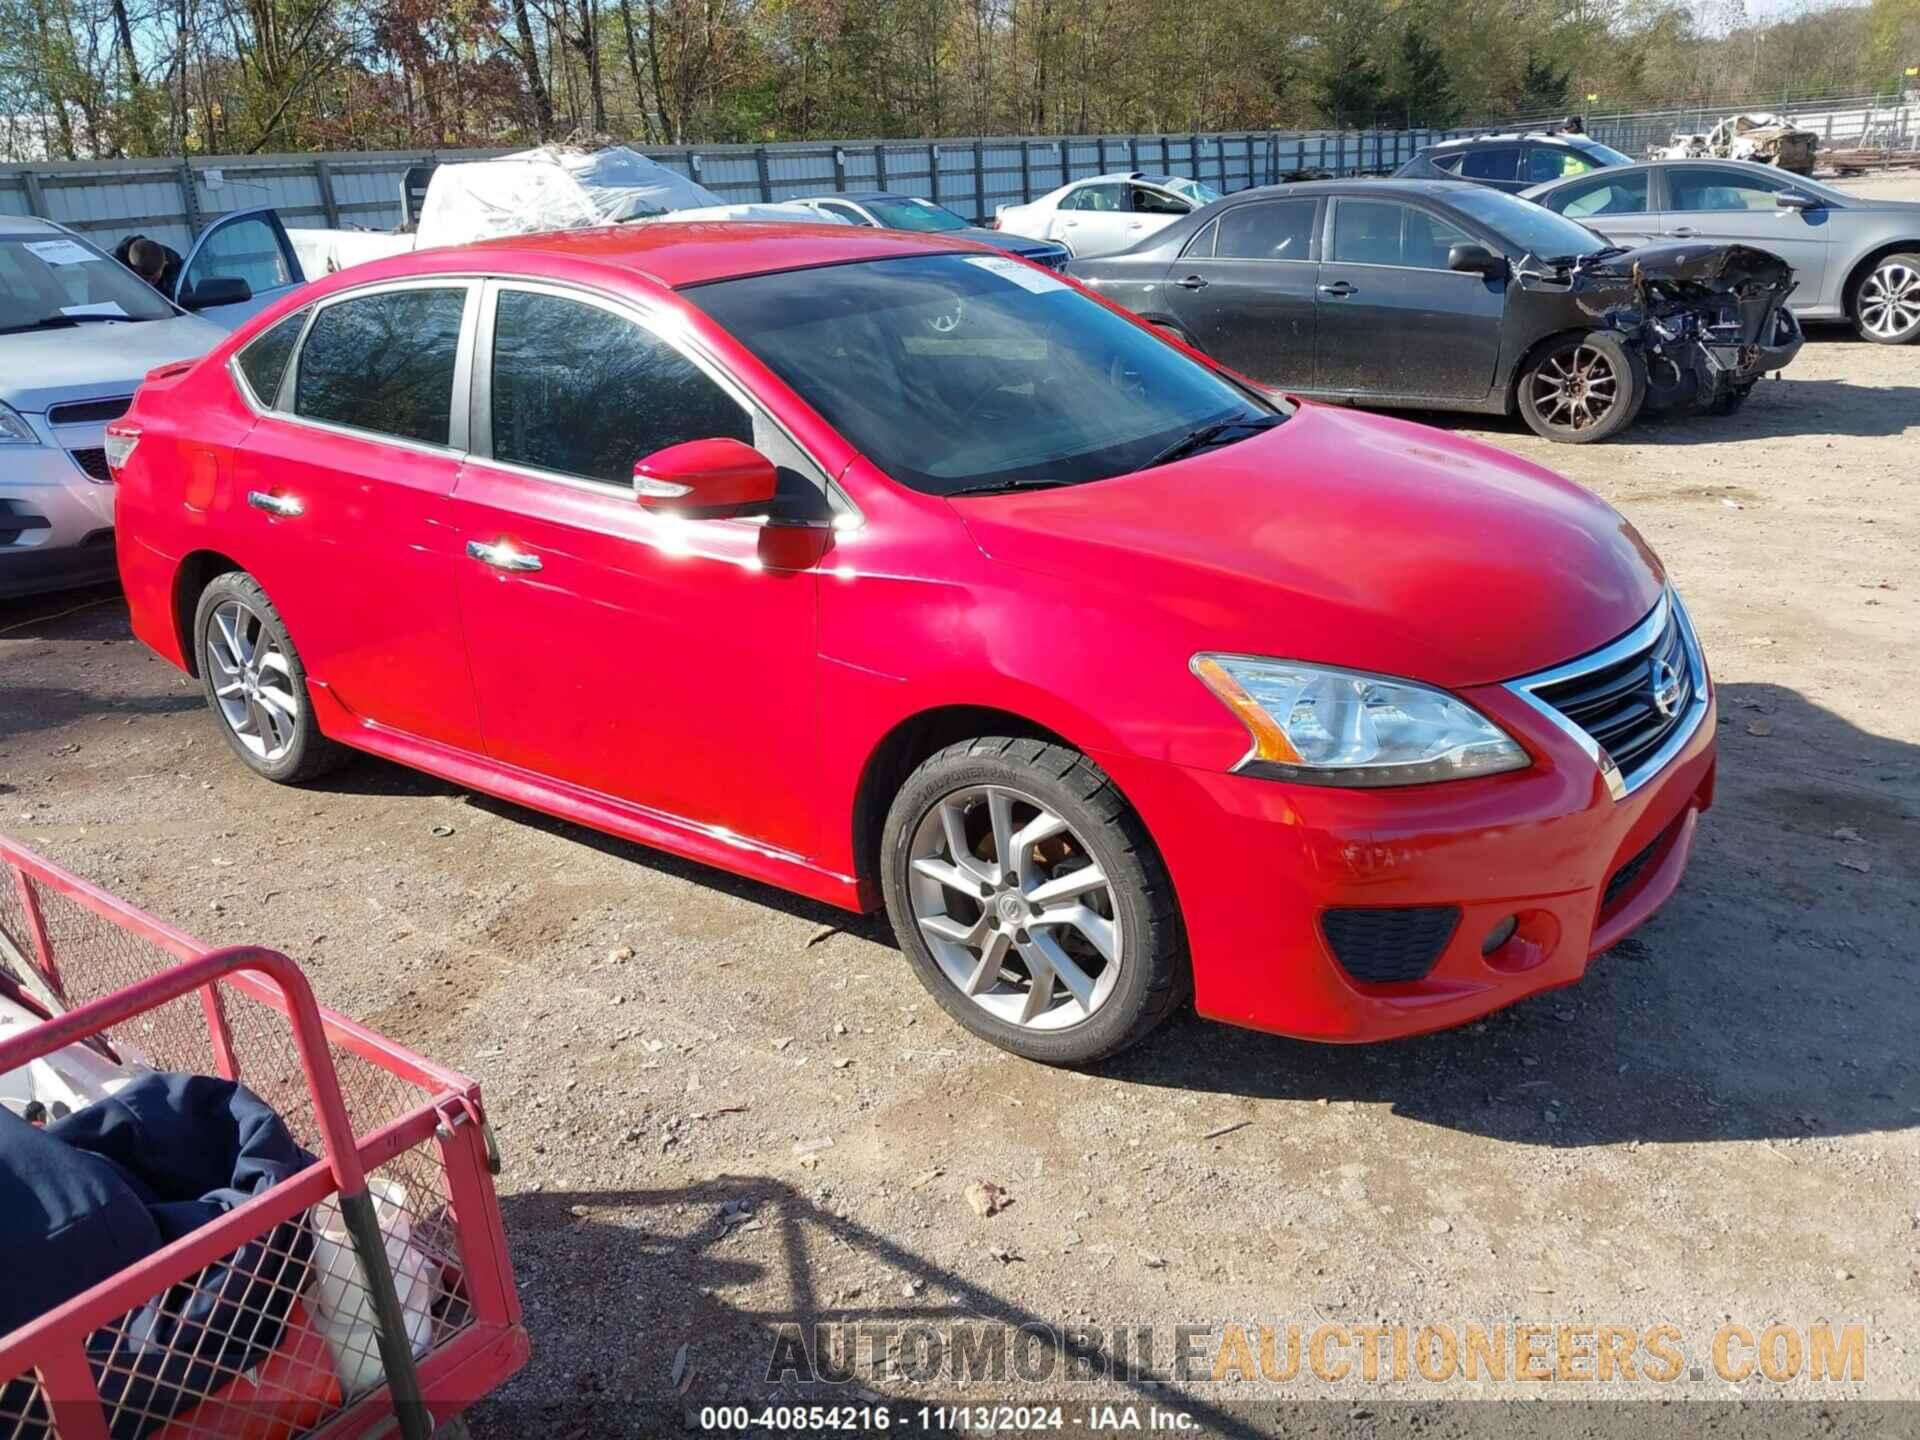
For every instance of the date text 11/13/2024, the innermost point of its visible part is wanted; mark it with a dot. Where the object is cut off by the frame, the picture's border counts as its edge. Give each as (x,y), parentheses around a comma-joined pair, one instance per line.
(945,1419)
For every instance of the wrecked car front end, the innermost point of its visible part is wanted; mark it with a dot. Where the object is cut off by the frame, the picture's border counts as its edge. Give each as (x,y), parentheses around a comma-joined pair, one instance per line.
(1710,320)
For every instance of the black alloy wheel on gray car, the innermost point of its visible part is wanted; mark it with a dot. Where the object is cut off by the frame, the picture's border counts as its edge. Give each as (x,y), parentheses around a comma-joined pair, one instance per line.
(1886,302)
(1030,900)
(255,683)
(1580,388)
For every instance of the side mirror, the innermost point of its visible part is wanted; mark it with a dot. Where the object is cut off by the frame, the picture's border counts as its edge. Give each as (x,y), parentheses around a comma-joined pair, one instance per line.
(1796,200)
(1476,260)
(709,475)
(216,290)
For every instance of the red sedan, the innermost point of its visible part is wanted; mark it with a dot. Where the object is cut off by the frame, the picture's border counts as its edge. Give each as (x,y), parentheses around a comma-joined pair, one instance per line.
(894,571)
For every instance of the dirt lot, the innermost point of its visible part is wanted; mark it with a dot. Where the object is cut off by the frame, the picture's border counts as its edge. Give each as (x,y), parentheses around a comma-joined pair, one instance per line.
(1722,1122)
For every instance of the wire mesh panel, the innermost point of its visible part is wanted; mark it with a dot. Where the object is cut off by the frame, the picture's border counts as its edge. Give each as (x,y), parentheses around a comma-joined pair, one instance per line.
(266,1321)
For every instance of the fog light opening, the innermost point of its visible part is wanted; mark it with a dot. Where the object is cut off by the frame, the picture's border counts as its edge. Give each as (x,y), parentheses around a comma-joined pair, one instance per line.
(1499,935)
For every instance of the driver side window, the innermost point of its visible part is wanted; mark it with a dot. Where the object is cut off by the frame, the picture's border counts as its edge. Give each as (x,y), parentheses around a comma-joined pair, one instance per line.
(1702,187)
(1605,195)
(1148,201)
(1109,198)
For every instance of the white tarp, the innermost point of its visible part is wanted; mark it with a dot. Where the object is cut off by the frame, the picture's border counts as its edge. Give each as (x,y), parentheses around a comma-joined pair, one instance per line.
(561,188)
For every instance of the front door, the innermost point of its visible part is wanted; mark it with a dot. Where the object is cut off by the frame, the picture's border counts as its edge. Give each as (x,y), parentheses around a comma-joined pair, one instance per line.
(1094,219)
(1391,319)
(346,484)
(1729,206)
(1245,291)
(249,245)
(665,661)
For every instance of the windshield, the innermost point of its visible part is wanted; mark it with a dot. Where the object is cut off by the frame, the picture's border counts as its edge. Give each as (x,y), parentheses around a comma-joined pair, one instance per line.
(958,372)
(54,280)
(1524,227)
(1604,155)
(914,215)
(1195,191)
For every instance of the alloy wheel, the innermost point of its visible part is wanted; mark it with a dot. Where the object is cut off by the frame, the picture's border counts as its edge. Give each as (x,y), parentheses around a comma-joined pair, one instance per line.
(1576,389)
(1017,912)
(252,682)
(1890,300)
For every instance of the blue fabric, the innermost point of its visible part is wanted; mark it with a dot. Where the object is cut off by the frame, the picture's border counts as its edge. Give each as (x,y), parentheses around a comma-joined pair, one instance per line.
(180,1151)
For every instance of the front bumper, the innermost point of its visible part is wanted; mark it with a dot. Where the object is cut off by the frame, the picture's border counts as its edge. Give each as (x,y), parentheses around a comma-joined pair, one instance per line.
(1256,865)
(56,524)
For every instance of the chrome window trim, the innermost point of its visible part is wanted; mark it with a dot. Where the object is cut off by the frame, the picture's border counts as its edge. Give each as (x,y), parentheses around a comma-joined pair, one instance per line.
(648,316)
(1636,641)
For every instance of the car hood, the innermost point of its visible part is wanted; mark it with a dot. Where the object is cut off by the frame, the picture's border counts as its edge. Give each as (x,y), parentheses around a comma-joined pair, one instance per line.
(1716,267)
(1347,539)
(39,368)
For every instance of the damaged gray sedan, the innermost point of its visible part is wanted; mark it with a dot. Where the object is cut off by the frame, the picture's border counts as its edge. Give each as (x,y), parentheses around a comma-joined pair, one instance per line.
(1442,295)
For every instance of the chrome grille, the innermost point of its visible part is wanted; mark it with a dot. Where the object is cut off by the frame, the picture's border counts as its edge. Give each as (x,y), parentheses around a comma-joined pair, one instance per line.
(1633,703)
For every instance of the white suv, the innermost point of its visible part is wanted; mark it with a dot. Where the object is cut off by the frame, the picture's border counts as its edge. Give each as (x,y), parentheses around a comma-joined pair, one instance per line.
(78,331)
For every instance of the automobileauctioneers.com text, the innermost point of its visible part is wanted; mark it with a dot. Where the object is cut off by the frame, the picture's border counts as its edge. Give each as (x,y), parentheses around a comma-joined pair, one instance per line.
(1042,1356)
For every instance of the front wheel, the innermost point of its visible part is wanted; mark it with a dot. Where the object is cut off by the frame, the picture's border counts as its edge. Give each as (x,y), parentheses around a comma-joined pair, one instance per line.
(1886,302)
(1030,900)
(1583,388)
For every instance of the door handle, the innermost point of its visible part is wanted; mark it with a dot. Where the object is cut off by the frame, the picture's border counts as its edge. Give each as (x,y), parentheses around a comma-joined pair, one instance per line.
(1339,288)
(502,556)
(285,506)
(1192,282)
(1685,232)
(1136,225)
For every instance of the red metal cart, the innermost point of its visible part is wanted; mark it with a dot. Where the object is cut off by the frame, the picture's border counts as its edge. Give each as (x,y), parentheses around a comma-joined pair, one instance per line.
(406,1170)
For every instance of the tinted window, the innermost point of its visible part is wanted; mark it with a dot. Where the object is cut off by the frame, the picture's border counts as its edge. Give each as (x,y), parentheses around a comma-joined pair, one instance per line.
(248,249)
(1149,201)
(1702,187)
(583,391)
(1271,230)
(264,361)
(1601,154)
(1607,194)
(1449,163)
(384,363)
(1497,162)
(1379,232)
(1550,162)
(952,371)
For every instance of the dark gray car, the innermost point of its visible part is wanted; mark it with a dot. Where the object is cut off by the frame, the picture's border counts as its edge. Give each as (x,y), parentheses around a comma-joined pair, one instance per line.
(1444,295)
(1855,257)
(1511,162)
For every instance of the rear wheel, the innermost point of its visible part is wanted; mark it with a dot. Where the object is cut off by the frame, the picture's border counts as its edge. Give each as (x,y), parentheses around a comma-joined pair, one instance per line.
(1031,901)
(1886,302)
(255,683)
(1583,388)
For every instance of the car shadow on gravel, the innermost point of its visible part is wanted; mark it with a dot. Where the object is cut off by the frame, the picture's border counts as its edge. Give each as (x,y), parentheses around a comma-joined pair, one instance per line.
(1777,409)
(1772,999)
(740,1285)
(32,708)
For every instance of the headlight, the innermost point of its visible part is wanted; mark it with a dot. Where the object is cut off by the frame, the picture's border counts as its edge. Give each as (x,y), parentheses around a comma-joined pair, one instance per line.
(14,430)
(1342,727)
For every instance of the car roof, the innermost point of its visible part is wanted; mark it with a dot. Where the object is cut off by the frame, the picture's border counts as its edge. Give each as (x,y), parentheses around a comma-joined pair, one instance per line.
(669,253)
(1538,137)
(858,195)
(30,225)
(1438,188)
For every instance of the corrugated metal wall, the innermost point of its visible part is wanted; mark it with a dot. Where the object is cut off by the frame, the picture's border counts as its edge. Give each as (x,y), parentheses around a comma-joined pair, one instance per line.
(110,199)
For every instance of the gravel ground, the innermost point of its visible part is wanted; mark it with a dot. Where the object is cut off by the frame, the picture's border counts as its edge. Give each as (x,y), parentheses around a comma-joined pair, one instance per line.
(1721,1123)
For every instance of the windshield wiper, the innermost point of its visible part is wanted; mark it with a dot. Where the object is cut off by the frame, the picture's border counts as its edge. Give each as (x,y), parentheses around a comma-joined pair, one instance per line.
(1211,435)
(56,322)
(1001,487)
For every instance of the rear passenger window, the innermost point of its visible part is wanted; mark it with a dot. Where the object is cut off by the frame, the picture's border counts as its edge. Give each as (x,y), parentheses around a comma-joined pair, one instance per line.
(384,363)
(264,362)
(1270,230)
(1497,163)
(1608,194)
(583,391)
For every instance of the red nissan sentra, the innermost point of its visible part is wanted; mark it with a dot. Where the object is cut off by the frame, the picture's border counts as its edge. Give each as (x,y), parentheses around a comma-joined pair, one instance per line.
(898,572)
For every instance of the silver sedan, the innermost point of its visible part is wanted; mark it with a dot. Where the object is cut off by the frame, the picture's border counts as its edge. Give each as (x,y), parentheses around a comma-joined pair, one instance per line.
(1856,258)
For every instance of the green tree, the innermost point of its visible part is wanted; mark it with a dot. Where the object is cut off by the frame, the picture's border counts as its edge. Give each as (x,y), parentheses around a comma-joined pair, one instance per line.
(1423,89)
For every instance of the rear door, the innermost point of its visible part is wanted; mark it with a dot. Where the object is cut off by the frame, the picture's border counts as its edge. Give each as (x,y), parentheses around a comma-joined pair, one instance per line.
(343,497)
(662,660)
(1729,205)
(1244,290)
(1390,318)
(1094,218)
(249,245)
(1614,202)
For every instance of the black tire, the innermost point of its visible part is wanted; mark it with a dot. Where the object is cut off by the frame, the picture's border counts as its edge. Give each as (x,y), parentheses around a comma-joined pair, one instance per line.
(1883,272)
(1562,363)
(309,754)
(1153,974)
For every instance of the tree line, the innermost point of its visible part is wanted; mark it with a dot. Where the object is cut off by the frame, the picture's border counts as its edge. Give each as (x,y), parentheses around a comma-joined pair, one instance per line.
(84,79)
